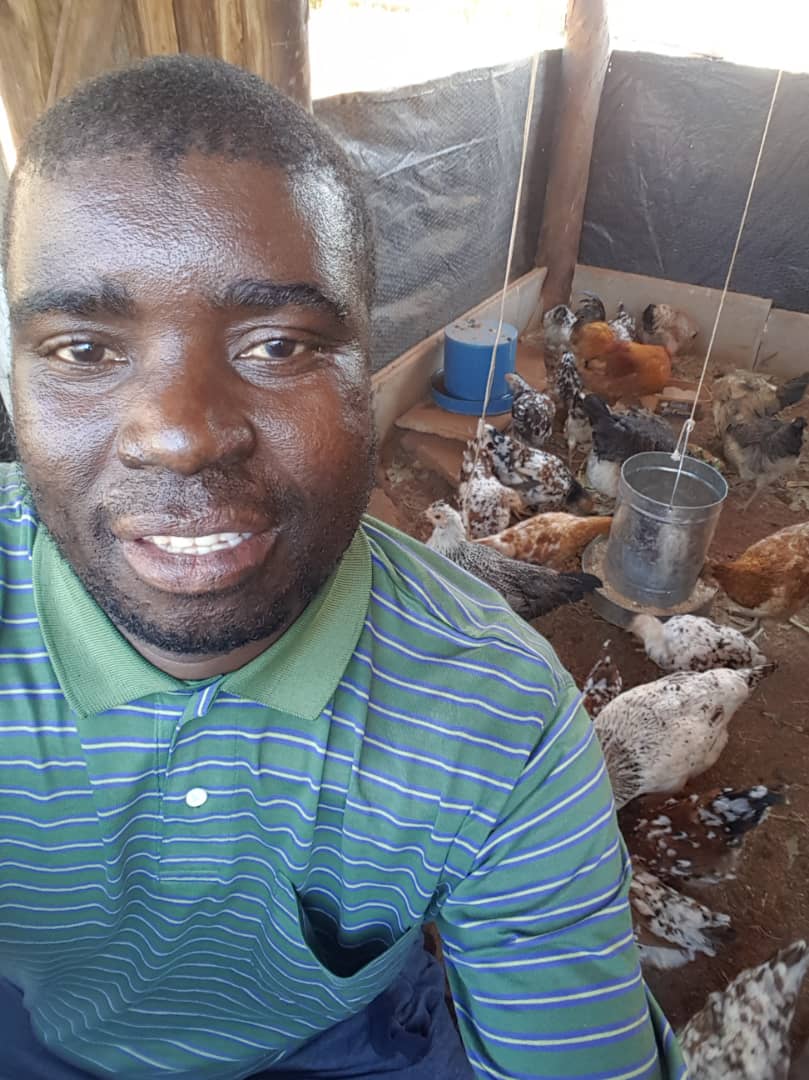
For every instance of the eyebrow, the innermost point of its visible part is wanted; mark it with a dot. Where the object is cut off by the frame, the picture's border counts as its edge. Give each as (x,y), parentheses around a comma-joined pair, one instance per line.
(271,295)
(108,298)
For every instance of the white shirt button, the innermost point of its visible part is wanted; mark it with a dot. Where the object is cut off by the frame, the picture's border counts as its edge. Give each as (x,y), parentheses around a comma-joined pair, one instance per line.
(197,796)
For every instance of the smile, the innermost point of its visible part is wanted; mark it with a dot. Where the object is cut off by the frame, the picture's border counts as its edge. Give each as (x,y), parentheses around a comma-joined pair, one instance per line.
(189,565)
(198,545)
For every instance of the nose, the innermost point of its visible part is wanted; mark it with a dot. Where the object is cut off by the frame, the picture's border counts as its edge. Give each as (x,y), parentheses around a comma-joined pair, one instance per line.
(193,419)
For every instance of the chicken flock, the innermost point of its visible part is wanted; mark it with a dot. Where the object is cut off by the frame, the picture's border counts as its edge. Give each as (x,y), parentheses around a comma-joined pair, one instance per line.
(524,518)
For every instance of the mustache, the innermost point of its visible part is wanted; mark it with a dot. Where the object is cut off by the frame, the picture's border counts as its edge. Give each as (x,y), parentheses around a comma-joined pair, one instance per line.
(198,495)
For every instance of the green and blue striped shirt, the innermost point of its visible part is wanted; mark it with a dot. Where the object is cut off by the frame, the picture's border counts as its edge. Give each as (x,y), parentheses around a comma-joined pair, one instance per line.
(197,878)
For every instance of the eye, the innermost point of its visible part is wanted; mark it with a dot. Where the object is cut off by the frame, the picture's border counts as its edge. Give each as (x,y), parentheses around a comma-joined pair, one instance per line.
(276,349)
(85,353)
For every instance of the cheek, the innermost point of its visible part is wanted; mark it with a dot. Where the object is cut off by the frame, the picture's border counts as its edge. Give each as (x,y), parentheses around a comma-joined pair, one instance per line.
(61,445)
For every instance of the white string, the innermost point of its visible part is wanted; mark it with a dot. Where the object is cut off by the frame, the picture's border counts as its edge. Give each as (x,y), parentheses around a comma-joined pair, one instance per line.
(682,443)
(529,108)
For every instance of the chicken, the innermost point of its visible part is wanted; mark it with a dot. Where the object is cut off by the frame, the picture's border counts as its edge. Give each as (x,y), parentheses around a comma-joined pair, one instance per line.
(557,324)
(616,437)
(742,1032)
(530,590)
(695,837)
(532,412)
(658,736)
(670,927)
(591,309)
(543,480)
(623,325)
(550,539)
(487,505)
(603,685)
(666,326)
(771,578)
(619,369)
(747,395)
(764,450)
(570,391)
(692,643)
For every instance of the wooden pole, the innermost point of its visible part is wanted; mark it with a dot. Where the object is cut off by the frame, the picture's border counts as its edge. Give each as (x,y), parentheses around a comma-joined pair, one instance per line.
(276,42)
(584,65)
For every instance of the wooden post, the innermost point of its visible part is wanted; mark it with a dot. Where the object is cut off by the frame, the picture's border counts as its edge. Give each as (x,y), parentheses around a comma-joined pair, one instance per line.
(268,37)
(276,44)
(584,64)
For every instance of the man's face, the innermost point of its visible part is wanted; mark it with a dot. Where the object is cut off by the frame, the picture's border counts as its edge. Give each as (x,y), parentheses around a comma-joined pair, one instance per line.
(191,392)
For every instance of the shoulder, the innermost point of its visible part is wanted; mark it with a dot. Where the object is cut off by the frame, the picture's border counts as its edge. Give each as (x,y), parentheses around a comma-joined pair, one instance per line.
(444,611)
(18,522)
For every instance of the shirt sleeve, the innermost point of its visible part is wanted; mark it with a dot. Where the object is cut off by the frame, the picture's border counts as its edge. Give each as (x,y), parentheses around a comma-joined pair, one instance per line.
(538,937)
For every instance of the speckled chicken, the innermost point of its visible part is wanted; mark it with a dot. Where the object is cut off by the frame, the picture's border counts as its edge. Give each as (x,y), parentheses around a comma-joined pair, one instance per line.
(543,480)
(603,684)
(742,1032)
(771,578)
(664,325)
(656,737)
(696,837)
(693,643)
(530,590)
(487,506)
(551,539)
(532,412)
(747,395)
(557,325)
(570,391)
(670,927)
(623,325)
(616,437)
(764,450)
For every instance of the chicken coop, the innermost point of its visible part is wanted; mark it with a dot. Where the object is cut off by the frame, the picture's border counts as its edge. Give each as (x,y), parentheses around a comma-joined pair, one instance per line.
(574,166)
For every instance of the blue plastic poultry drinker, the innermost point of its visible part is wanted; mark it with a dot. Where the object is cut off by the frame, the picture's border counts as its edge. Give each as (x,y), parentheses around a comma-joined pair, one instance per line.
(468,343)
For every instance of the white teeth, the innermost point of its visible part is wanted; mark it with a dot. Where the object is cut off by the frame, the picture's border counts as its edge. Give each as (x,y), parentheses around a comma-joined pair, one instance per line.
(198,545)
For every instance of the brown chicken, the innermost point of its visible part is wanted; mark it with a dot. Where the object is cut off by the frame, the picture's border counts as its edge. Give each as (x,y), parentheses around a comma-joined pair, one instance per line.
(695,837)
(549,539)
(771,578)
(616,369)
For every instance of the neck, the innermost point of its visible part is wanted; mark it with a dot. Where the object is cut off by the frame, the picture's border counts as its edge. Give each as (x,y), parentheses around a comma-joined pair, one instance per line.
(192,668)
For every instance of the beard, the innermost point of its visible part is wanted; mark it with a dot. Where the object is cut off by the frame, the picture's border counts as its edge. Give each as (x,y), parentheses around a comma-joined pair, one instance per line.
(313,535)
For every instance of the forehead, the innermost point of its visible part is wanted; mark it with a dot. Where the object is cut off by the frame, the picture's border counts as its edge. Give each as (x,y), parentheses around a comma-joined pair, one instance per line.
(205,221)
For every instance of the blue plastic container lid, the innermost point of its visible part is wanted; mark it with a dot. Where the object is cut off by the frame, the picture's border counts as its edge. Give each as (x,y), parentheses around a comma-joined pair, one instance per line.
(481,332)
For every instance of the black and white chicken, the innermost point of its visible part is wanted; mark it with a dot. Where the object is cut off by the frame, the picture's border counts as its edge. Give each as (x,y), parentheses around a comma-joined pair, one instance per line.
(543,480)
(616,437)
(764,450)
(532,412)
(570,391)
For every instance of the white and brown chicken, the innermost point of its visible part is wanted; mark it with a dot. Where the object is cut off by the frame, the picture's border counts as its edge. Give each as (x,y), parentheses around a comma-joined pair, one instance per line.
(530,590)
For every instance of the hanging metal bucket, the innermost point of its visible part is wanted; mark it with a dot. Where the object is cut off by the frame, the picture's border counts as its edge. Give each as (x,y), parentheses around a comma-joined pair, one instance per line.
(656,551)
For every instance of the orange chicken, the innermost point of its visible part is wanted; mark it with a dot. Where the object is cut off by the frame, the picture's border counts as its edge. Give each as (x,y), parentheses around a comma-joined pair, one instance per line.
(548,539)
(619,369)
(771,578)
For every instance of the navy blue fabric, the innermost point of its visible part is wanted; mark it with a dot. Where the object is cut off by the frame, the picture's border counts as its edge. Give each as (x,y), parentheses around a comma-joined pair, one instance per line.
(406,1033)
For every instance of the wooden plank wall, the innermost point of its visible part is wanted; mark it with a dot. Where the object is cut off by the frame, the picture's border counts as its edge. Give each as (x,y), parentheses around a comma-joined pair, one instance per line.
(48,46)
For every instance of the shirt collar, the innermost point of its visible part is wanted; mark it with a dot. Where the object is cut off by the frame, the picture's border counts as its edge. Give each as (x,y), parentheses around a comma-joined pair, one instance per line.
(98,669)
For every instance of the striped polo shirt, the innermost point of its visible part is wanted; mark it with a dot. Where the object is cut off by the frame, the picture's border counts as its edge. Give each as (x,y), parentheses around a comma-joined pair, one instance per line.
(196,878)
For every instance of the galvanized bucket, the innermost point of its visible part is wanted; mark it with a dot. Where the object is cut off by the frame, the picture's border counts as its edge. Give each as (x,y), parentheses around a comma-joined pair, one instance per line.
(656,550)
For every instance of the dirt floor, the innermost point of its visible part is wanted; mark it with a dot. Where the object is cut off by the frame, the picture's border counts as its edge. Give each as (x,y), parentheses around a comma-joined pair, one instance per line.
(769,900)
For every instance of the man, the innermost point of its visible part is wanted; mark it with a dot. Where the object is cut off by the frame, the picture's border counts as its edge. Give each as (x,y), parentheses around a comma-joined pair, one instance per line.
(248,745)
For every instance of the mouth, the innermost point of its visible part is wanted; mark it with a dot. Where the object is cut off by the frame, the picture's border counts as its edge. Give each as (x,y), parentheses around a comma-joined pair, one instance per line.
(191,559)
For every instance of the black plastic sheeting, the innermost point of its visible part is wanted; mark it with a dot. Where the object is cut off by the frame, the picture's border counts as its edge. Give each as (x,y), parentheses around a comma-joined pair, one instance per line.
(439,163)
(675,146)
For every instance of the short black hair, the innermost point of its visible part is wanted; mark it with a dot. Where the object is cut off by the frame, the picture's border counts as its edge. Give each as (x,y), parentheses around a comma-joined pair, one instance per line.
(168,106)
